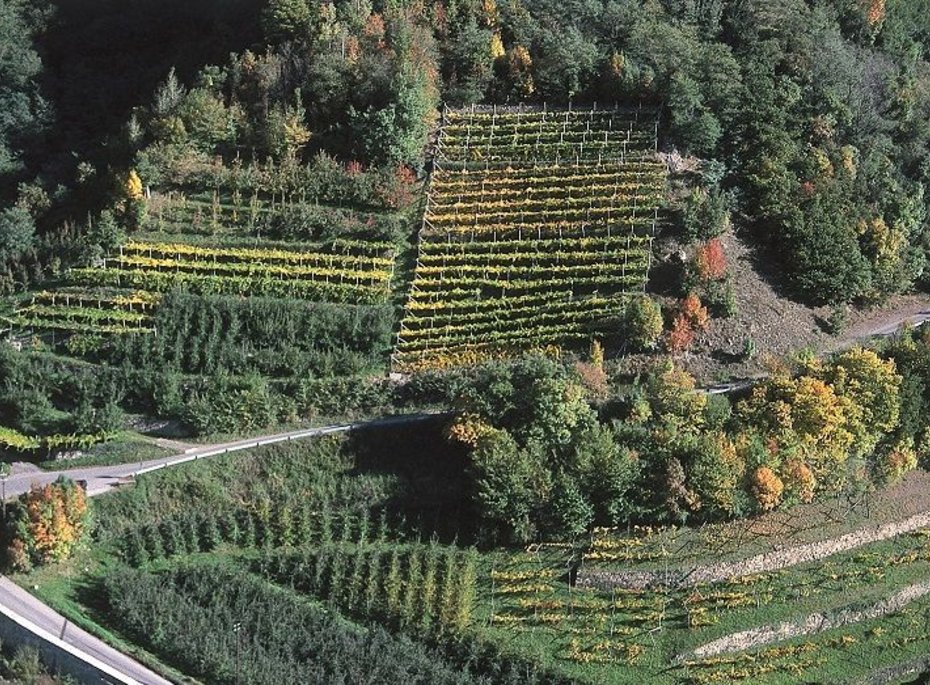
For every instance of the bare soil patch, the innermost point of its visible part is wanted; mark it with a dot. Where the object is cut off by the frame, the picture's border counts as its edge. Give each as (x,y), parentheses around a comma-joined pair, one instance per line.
(777,325)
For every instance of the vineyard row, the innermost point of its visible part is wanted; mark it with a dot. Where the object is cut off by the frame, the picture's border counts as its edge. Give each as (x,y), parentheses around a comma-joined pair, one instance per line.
(363,255)
(444,314)
(264,284)
(285,271)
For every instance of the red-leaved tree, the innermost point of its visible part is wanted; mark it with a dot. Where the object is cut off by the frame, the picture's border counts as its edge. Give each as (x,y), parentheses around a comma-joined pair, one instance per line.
(710,261)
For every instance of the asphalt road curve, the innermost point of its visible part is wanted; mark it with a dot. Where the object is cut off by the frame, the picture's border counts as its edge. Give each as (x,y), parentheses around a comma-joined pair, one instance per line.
(100,479)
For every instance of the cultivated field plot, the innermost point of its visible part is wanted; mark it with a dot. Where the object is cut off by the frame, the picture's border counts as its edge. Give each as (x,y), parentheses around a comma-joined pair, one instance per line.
(91,311)
(537,226)
(318,522)
(287,237)
(120,295)
(346,272)
(829,621)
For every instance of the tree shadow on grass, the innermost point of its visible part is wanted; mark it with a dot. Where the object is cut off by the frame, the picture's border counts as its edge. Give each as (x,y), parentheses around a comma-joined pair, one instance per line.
(433,493)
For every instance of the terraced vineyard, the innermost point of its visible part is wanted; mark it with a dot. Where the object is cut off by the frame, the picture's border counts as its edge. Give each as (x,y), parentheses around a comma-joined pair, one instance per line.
(537,225)
(94,311)
(119,296)
(349,272)
(825,621)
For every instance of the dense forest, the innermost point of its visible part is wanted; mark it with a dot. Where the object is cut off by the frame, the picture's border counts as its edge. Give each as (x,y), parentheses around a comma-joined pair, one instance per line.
(811,116)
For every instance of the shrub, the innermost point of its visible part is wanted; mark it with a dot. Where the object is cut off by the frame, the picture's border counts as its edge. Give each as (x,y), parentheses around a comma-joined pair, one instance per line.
(705,214)
(696,313)
(896,462)
(680,336)
(691,318)
(838,319)
(51,522)
(394,188)
(720,297)
(594,379)
(643,322)
(710,261)
(468,429)
(799,479)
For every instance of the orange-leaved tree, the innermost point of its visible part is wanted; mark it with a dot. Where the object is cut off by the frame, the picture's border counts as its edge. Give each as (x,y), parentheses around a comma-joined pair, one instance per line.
(767,488)
(692,317)
(680,336)
(695,312)
(710,261)
(51,522)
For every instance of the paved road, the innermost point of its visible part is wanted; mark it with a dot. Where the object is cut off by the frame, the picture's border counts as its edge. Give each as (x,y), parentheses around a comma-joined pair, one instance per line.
(885,331)
(101,479)
(15,600)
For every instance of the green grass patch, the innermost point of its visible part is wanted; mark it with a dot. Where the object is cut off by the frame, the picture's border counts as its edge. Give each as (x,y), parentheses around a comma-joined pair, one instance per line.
(127,448)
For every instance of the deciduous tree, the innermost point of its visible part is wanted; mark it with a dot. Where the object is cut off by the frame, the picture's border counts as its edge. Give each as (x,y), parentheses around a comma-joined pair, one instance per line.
(52,521)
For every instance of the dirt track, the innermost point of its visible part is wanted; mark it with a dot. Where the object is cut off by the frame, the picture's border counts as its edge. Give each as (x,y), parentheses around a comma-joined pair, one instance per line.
(777,325)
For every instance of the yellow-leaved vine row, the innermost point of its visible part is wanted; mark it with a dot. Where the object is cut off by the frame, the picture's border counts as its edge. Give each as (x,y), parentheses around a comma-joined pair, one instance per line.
(531,252)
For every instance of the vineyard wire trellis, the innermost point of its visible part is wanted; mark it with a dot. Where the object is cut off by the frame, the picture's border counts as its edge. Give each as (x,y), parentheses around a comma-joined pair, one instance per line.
(468,132)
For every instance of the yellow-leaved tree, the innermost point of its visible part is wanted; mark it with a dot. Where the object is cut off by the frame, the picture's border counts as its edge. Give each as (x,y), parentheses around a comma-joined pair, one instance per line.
(133,186)
(50,523)
(674,399)
(872,387)
(804,416)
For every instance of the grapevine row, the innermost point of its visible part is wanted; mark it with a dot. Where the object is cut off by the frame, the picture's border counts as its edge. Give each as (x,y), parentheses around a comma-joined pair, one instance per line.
(530,321)
(234,254)
(284,271)
(445,315)
(533,246)
(264,285)
(534,253)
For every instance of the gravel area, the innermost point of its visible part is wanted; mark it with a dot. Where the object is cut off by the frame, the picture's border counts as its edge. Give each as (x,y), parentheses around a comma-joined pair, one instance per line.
(777,325)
